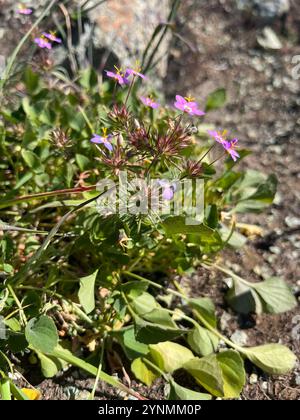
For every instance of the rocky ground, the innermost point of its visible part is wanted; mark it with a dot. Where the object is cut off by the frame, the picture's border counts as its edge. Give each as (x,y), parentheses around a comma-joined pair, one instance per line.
(216,45)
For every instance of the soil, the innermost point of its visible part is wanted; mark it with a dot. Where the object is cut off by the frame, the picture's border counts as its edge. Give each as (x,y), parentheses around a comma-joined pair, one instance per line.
(216,46)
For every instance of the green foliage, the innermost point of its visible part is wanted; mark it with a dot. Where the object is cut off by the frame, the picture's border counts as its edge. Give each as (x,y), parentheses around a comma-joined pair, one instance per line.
(53,235)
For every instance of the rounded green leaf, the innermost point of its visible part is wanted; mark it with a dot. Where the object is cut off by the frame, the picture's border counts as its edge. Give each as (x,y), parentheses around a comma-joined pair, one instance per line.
(143,372)
(202,341)
(272,358)
(170,356)
(42,334)
(233,373)
(207,372)
(178,392)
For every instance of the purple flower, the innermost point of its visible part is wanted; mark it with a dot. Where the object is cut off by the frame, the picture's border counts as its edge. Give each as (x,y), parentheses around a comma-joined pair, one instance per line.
(105,139)
(42,42)
(168,189)
(119,76)
(148,101)
(187,105)
(218,135)
(23,10)
(228,145)
(52,37)
(136,73)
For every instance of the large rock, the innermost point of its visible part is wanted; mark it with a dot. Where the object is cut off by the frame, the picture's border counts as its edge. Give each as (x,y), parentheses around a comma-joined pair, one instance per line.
(125,27)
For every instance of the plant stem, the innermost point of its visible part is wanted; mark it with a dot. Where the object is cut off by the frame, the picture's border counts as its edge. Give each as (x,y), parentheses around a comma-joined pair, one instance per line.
(158,286)
(220,157)
(75,361)
(206,153)
(22,314)
(25,198)
(92,396)
(153,366)
(129,89)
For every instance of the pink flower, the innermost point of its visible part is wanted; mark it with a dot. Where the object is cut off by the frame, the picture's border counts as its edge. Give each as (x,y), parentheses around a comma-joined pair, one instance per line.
(42,42)
(187,105)
(148,101)
(168,189)
(228,145)
(23,10)
(119,76)
(52,37)
(136,73)
(218,135)
(105,140)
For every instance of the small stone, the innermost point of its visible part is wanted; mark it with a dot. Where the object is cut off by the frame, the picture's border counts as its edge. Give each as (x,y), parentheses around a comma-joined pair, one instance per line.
(224,320)
(275,250)
(264,386)
(269,40)
(297,379)
(239,337)
(292,221)
(253,378)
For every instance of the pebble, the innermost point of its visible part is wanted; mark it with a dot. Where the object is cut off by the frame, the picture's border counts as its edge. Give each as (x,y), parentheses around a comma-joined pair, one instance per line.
(224,320)
(239,337)
(253,378)
(292,221)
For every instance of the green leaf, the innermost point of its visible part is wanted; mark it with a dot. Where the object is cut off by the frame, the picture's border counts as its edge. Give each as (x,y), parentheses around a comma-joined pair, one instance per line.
(88,78)
(32,161)
(271,296)
(169,356)
(144,303)
(17,342)
(129,343)
(233,373)
(143,372)
(31,80)
(133,289)
(212,217)
(49,366)
(206,308)
(208,373)
(86,293)
(276,295)
(178,392)
(202,341)
(243,299)
(272,358)
(41,333)
(149,333)
(237,240)
(161,317)
(176,224)
(82,161)
(216,99)
(221,374)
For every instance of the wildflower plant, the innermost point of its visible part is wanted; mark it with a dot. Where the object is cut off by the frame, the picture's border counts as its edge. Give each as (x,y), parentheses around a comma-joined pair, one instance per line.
(110,280)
